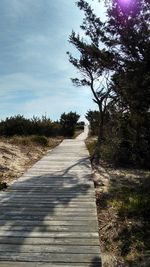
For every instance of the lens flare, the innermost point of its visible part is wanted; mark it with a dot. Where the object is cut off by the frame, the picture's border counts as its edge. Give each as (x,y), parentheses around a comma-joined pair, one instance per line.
(125,2)
(127,5)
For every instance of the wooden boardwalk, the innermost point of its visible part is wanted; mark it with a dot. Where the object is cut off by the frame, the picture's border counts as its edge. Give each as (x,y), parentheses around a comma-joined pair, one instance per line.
(48,216)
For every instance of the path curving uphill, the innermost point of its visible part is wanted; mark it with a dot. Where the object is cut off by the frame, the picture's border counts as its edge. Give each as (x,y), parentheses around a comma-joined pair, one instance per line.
(48,216)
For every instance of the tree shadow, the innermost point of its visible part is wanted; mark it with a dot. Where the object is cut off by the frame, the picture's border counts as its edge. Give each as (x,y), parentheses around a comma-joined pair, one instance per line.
(96,262)
(51,209)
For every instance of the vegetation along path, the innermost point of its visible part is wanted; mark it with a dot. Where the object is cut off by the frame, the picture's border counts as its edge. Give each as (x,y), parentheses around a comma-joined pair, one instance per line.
(48,216)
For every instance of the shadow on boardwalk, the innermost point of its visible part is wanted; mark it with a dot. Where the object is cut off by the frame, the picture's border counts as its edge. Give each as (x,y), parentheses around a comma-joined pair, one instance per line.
(29,214)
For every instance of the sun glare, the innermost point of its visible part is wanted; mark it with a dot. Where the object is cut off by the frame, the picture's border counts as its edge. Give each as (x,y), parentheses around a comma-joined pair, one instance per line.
(127,4)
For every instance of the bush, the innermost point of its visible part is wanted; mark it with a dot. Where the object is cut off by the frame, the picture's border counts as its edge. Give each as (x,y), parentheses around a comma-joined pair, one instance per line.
(3,186)
(69,122)
(40,140)
(20,126)
(80,125)
(56,129)
(126,139)
(16,125)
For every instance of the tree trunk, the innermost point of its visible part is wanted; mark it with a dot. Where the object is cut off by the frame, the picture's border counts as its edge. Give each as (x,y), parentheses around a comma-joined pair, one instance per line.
(97,152)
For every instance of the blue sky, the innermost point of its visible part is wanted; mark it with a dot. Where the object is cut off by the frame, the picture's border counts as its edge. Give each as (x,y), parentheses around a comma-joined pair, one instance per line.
(34,69)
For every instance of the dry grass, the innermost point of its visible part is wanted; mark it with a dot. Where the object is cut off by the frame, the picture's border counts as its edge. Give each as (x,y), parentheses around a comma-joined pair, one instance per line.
(17,154)
(123,203)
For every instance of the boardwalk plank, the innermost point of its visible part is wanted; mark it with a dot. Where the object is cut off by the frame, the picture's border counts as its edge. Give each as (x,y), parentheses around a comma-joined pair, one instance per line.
(49,257)
(49,241)
(51,248)
(34,264)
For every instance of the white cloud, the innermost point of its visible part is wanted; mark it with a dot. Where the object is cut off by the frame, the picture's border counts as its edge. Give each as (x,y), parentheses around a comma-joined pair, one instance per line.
(21,82)
(17,8)
(54,105)
(52,97)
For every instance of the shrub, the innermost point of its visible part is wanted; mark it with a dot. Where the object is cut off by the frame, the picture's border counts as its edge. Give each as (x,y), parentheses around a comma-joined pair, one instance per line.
(80,125)
(16,125)
(69,122)
(3,186)
(40,140)
(20,126)
(126,140)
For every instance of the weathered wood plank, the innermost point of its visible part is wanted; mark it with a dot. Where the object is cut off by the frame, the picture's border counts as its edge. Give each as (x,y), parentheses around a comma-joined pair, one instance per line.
(48,223)
(49,228)
(42,218)
(42,264)
(52,197)
(50,202)
(36,233)
(50,186)
(50,257)
(53,183)
(28,203)
(36,209)
(43,213)
(60,195)
(19,240)
(84,249)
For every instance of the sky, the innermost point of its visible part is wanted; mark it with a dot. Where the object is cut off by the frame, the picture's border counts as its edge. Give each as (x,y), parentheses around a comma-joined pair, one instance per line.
(34,68)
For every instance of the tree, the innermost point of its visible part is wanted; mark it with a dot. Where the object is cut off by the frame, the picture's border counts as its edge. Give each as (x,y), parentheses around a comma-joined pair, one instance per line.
(95,64)
(69,122)
(128,37)
(114,61)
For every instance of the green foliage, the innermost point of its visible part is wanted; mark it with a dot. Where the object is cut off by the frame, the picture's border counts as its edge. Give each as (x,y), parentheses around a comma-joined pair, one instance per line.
(41,140)
(93,119)
(56,129)
(80,125)
(132,202)
(69,123)
(127,36)
(20,126)
(3,186)
(41,126)
(126,139)
(16,125)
